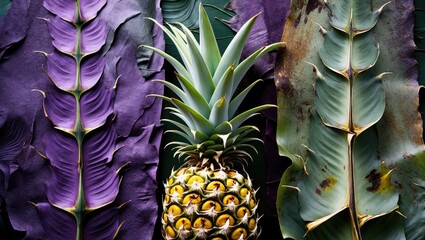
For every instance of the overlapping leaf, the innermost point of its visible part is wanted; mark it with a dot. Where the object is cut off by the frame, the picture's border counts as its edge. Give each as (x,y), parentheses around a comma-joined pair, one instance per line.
(29,174)
(345,169)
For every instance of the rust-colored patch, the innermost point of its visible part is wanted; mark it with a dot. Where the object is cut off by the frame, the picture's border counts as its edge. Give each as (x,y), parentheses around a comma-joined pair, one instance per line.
(296,50)
(380,181)
(375,179)
(328,183)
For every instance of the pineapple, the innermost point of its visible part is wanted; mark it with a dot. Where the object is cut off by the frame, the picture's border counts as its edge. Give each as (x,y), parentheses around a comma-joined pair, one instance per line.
(206,198)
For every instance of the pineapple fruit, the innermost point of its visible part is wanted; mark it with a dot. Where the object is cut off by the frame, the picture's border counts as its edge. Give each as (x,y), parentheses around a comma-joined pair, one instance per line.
(206,198)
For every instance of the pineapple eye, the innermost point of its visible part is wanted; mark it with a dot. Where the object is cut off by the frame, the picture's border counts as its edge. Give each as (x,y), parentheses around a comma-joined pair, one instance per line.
(251,203)
(217,238)
(216,185)
(238,232)
(174,210)
(170,181)
(202,223)
(197,179)
(228,199)
(183,222)
(170,232)
(231,182)
(232,173)
(221,221)
(179,189)
(193,198)
(167,199)
(242,211)
(211,204)
(251,224)
(244,192)
(164,217)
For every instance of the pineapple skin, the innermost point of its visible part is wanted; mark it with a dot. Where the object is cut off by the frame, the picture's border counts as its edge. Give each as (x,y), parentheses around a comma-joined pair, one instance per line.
(208,203)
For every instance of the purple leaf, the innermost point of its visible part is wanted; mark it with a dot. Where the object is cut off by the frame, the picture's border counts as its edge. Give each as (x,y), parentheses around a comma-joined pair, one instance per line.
(132,88)
(267,29)
(62,151)
(13,131)
(139,183)
(31,174)
(102,224)
(100,179)
(91,70)
(64,34)
(96,106)
(62,70)
(60,109)
(61,224)
(65,9)
(93,36)
(89,8)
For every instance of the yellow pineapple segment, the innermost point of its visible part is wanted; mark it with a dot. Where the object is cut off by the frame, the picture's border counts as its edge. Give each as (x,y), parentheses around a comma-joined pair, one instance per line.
(185,223)
(222,219)
(238,232)
(202,223)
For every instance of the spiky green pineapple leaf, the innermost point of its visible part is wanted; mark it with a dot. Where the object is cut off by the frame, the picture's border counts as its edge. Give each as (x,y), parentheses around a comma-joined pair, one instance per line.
(382,157)
(233,52)
(208,42)
(176,64)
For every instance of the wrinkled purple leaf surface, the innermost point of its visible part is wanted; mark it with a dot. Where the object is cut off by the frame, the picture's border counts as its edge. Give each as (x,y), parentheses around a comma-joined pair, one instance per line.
(63,156)
(64,9)
(31,173)
(61,224)
(60,109)
(93,36)
(64,34)
(101,181)
(62,70)
(96,106)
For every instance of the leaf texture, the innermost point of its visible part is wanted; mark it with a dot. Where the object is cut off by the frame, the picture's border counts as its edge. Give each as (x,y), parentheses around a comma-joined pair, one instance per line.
(342,171)
(103,103)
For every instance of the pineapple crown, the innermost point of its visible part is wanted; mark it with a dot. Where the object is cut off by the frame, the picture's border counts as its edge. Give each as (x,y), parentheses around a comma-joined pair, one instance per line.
(208,82)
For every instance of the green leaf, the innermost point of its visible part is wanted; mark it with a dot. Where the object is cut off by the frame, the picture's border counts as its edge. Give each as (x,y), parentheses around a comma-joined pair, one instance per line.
(176,64)
(344,136)
(4,6)
(234,50)
(208,42)
(194,98)
(200,122)
(178,42)
(219,112)
(239,119)
(247,63)
(199,71)
(236,102)
(185,12)
(224,87)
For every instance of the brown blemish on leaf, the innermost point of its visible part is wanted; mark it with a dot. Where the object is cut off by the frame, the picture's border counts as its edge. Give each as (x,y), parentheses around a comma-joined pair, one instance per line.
(312,5)
(294,54)
(381,181)
(318,192)
(328,183)
(375,179)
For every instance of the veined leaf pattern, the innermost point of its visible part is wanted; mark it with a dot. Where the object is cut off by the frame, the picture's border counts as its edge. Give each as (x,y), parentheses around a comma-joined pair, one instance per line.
(350,167)
(85,181)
